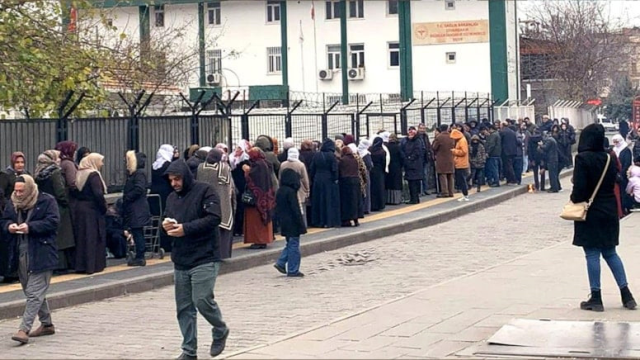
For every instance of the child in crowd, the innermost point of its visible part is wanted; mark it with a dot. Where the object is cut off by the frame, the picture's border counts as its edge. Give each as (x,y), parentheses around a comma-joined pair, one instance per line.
(633,188)
(116,241)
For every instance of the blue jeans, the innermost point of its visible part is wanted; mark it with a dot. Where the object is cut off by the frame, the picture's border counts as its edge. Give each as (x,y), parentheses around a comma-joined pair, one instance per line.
(194,291)
(612,259)
(492,170)
(425,177)
(291,256)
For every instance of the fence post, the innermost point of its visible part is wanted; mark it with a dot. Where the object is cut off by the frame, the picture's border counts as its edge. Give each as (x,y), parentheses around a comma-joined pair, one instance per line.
(325,120)
(360,112)
(453,107)
(288,126)
(438,119)
(195,128)
(404,121)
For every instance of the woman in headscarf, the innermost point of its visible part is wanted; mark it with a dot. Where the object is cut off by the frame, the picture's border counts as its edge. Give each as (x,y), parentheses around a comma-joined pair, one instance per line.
(7,180)
(135,206)
(197,159)
(378,172)
(625,156)
(599,234)
(363,176)
(31,220)
(307,152)
(350,190)
(238,158)
(160,185)
(49,178)
(393,178)
(225,151)
(258,226)
(617,190)
(293,162)
(82,153)
(365,155)
(92,206)
(325,194)
(217,173)
(69,168)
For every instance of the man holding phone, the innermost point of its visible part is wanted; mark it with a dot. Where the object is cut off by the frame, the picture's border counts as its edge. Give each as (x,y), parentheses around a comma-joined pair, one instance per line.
(30,222)
(192,218)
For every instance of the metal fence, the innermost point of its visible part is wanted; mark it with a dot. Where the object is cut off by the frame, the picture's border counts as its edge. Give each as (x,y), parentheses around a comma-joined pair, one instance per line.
(515,110)
(110,137)
(579,114)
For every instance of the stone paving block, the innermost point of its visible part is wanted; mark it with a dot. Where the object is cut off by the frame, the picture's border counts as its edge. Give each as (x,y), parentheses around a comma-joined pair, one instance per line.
(495,321)
(518,310)
(474,334)
(440,349)
(371,344)
(407,329)
(362,333)
(420,341)
(461,321)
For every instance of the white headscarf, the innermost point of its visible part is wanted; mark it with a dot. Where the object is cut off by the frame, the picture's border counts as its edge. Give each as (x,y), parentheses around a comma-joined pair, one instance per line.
(385,136)
(164,154)
(293,154)
(235,160)
(354,149)
(363,147)
(225,151)
(288,143)
(621,145)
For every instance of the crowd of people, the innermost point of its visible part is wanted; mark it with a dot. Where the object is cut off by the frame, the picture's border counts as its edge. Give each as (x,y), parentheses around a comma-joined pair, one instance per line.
(341,180)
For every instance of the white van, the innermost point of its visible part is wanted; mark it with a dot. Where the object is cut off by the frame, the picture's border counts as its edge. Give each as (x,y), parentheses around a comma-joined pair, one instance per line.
(607,123)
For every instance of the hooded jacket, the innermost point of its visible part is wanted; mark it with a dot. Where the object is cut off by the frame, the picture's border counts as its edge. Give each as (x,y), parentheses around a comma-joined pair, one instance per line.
(494,144)
(460,151)
(287,205)
(135,208)
(197,208)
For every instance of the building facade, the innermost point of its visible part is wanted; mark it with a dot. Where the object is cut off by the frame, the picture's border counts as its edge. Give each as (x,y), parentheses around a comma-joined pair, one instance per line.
(397,47)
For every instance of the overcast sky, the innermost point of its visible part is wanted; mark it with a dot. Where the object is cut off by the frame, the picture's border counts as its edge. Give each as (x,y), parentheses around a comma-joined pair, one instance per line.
(628,11)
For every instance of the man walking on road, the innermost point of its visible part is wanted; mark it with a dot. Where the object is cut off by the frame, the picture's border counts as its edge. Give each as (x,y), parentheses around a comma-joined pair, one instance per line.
(192,219)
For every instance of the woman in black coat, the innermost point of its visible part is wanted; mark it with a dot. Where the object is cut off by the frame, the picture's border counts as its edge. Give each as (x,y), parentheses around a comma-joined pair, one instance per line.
(393,179)
(160,185)
(135,207)
(289,212)
(599,234)
(350,192)
(379,159)
(325,194)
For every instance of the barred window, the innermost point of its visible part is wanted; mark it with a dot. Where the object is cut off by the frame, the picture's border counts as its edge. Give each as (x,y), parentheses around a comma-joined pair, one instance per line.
(274,60)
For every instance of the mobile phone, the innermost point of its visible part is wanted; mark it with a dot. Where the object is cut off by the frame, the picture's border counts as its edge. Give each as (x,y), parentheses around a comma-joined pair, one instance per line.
(19,232)
(173,221)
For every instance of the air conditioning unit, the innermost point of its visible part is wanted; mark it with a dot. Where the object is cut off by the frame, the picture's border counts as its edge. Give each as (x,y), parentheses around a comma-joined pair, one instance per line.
(356,74)
(214,79)
(325,74)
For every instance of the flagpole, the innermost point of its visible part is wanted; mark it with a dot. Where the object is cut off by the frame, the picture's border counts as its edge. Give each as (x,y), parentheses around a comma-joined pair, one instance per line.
(315,47)
(304,88)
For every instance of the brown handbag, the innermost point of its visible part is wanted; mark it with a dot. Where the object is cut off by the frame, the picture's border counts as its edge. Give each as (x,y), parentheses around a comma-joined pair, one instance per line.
(578,211)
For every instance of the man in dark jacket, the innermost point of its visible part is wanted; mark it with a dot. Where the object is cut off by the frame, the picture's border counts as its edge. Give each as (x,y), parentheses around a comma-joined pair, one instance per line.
(289,212)
(428,158)
(30,225)
(192,218)
(135,207)
(413,152)
(549,151)
(509,152)
(494,151)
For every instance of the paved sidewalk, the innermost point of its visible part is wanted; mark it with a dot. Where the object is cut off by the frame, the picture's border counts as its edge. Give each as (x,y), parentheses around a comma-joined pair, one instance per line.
(74,289)
(455,317)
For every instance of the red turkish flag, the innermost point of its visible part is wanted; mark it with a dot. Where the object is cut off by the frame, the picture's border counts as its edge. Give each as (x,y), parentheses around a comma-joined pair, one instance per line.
(73,19)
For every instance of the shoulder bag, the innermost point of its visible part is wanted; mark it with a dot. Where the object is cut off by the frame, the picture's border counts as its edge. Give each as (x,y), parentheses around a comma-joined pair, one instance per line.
(578,211)
(248,198)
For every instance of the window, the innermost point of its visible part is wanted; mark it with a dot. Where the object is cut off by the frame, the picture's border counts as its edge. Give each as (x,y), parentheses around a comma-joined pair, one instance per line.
(449,4)
(394,54)
(357,55)
(356,9)
(158,10)
(274,60)
(333,57)
(392,7)
(215,61)
(451,58)
(332,9)
(214,13)
(273,11)
(634,68)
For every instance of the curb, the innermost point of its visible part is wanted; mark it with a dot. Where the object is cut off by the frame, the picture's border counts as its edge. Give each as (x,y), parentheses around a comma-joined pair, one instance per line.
(161,279)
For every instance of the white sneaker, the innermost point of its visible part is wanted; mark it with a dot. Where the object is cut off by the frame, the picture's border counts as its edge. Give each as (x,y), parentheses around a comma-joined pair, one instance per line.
(464,198)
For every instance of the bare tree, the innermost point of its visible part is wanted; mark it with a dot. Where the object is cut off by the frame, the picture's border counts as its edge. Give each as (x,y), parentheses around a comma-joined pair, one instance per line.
(575,47)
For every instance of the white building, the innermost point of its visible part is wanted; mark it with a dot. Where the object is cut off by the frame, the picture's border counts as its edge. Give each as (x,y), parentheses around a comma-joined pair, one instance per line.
(455,45)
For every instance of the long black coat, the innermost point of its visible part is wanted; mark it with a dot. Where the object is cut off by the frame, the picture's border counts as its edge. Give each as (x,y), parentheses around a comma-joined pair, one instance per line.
(160,185)
(287,206)
(413,155)
(135,206)
(509,142)
(325,193)
(393,179)
(43,229)
(602,227)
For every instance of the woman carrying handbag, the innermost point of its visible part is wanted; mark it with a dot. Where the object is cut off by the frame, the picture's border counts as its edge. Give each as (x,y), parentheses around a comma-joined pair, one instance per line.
(599,233)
